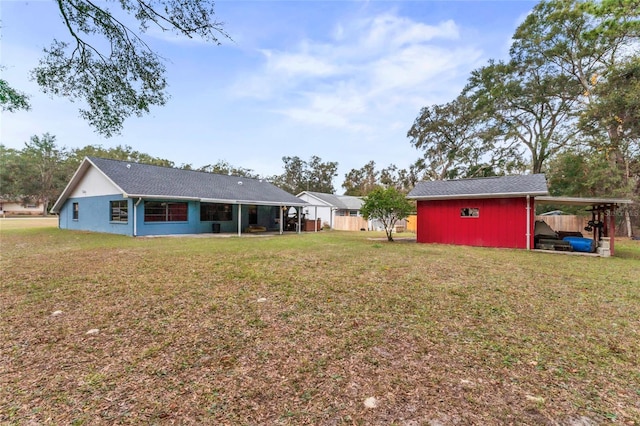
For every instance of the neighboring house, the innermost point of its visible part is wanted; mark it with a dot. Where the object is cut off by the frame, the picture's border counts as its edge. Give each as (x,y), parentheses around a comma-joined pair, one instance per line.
(136,199)
(14,208)
(328,207)
(495,211)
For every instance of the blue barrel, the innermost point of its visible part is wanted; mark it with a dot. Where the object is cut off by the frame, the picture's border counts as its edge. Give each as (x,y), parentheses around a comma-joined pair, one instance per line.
(586,245)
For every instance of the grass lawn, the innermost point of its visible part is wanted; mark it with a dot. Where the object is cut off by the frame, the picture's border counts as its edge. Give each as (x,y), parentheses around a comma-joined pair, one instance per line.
(324,328)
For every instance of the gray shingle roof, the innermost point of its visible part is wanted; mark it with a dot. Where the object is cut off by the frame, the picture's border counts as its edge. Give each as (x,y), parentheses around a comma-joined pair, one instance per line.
(343,202)
(501,186)
(137,179)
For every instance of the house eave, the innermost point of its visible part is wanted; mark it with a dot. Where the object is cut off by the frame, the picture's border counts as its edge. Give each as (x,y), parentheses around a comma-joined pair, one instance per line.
(323,202)
(215,200)
(475,196)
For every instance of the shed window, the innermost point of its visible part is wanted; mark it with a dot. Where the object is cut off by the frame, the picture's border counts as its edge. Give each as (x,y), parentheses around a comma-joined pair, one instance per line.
(219,212)
(470,212)
(165,212)
(119,211)
(76,211)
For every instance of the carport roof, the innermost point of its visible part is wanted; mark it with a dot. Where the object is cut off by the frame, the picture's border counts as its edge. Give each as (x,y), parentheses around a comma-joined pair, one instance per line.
(574,201)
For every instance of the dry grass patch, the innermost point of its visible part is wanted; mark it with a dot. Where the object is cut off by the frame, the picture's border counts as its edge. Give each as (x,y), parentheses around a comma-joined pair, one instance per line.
(303,329)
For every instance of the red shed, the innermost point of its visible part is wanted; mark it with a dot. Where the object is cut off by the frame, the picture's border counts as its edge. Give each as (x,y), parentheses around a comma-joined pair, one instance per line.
(487,212)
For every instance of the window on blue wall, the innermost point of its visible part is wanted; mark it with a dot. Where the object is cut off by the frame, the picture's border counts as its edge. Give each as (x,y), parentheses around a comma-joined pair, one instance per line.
(119,211)
(76,211)
(470,212)
(214,211)
(155,211)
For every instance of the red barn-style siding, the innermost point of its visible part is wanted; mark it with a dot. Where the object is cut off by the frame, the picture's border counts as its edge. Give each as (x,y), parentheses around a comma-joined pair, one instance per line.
(501,222)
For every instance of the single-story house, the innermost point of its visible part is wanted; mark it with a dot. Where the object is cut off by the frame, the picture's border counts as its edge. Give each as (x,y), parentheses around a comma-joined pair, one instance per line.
(327,207)
(123,197)
(496,211)
(12,207)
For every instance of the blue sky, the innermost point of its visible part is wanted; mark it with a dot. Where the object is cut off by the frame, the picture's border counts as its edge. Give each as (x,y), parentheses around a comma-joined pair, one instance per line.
(343,80)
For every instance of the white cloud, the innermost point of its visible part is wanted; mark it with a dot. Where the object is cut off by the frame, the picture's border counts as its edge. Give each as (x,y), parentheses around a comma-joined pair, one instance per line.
(298,64)
(390,31)
(369,67)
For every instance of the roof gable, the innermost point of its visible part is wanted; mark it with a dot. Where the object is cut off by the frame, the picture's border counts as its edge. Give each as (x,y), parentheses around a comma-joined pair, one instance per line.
(342,202)
(501,186)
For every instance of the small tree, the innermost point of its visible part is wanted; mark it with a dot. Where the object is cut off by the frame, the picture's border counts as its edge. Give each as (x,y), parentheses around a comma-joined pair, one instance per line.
(388,205)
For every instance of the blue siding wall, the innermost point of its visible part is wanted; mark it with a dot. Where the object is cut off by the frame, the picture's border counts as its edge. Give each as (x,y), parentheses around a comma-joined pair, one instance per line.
(94,214)
(191,226)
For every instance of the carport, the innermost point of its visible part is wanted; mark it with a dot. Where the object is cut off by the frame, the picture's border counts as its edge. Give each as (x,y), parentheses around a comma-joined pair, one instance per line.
(602,223)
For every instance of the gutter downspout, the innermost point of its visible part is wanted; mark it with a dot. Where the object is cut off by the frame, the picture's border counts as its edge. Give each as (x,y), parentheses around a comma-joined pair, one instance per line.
(135,217)
(528,222)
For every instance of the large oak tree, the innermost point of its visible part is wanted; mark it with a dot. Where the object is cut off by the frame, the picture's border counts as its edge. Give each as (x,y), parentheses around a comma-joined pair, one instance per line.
(108,65)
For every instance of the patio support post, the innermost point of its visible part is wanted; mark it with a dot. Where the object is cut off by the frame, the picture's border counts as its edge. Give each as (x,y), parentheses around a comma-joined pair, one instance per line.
(239,220)
(299,210)
(135,217)
(281,219)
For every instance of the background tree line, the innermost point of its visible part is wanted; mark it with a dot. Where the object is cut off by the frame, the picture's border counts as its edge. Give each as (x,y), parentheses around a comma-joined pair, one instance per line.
(41,170)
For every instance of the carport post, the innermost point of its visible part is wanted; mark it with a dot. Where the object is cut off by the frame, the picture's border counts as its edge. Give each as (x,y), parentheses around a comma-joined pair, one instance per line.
(612,227)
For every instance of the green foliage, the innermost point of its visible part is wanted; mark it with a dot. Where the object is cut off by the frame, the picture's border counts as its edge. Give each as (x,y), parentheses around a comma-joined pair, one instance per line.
(41,170)
(616,109)
(458,141)
(360,182)
(387,205)
(34,173)
(225,168)
(120,152)
(12,100)
(585,174)
(313,175)
(524,108)
(126,77)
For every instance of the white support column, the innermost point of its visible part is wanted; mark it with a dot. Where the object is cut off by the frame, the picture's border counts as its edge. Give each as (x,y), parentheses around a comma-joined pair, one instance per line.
(239,220)
(299,210)
(281,219)
(135,217)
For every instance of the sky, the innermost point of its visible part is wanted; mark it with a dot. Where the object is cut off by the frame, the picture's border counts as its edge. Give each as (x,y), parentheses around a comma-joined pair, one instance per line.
(341,80)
